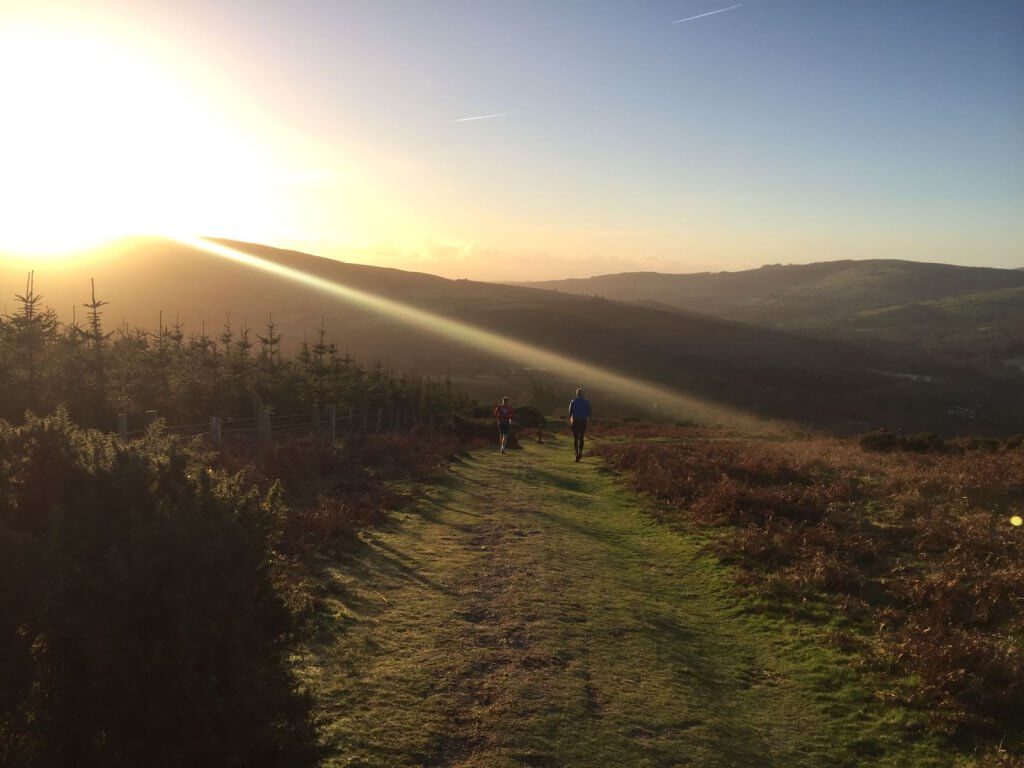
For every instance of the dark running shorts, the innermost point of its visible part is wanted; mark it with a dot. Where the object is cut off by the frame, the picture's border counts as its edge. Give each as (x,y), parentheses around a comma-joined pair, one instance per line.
(579,426)
(504,427)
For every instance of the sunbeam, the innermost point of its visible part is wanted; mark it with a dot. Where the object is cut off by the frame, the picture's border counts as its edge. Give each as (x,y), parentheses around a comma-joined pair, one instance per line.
(642,393)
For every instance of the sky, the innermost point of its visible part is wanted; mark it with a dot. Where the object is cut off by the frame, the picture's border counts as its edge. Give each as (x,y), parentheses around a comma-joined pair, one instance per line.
(520,140)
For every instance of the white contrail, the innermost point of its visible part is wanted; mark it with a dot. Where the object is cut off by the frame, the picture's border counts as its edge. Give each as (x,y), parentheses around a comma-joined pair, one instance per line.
(710,13)
(481,117)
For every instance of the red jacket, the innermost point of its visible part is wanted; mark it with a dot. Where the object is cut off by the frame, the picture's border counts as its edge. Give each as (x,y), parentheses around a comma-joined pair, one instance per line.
(504,413)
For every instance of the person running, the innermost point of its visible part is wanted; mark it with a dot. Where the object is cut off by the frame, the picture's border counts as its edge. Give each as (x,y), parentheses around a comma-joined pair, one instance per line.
(503,413)
(579,412)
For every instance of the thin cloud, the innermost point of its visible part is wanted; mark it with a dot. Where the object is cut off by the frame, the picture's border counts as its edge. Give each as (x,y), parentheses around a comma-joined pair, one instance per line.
(710,13)
(482,117)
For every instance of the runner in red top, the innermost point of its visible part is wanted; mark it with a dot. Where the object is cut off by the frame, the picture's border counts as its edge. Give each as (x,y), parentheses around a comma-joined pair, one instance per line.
(503,413)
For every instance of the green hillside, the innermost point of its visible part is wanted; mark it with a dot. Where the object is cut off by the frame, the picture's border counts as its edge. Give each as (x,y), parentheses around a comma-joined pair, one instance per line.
(806,294)
(770,372)
(985,324)
(961,314)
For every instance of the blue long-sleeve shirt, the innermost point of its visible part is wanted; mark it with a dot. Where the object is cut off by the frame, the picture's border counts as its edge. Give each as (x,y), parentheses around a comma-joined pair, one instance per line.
(579,408)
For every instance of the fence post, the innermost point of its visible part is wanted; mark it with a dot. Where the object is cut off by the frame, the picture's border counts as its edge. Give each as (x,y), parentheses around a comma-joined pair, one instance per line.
(332,414)
(365,416)
(122,426)
(220,429)
(213,430)
(267,429)
(316,418)
(150,417)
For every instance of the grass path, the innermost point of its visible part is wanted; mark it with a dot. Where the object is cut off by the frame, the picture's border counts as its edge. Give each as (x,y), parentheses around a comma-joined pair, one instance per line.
(528,613)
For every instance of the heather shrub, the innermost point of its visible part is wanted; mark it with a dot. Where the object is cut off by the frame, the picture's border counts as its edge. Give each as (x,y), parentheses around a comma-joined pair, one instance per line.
(139,622)
(914,544)
(922,442)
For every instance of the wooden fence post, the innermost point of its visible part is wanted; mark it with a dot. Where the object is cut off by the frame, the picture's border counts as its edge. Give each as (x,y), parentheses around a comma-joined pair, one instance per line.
(122,426)
(213,430)
(267,430)
(151,417)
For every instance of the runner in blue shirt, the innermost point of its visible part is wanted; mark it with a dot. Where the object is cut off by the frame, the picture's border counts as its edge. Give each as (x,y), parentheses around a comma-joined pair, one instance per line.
(579,412)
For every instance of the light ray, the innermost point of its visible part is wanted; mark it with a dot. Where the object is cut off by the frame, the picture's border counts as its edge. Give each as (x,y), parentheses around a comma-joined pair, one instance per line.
(643,393)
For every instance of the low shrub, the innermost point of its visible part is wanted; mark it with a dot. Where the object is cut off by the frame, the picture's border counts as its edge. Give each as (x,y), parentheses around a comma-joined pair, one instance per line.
(139,621)
(915,544)
(884,442)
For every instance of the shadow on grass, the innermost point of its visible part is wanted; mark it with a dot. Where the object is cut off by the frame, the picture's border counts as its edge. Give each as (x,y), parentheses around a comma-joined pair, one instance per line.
(560,481)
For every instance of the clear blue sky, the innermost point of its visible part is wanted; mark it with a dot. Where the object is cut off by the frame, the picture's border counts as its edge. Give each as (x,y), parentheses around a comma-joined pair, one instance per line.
(781,130)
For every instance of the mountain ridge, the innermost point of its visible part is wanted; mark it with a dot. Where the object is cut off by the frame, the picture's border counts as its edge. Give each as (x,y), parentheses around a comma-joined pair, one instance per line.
(769,371)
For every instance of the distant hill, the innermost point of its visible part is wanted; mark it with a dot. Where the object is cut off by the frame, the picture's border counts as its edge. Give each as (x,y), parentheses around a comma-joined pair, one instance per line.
(844,297)
(958,324)
(772,372)
(795,293)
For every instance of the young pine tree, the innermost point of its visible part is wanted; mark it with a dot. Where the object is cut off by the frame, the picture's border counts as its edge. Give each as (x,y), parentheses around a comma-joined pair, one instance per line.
(30,329)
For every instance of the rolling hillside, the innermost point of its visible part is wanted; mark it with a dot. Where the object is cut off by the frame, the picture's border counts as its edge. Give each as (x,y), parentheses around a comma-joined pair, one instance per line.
(983,325)
(960,313)
(770,372)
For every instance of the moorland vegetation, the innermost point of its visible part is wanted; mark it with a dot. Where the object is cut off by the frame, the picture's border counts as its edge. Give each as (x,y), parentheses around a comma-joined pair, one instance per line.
(905,547)
(154,590)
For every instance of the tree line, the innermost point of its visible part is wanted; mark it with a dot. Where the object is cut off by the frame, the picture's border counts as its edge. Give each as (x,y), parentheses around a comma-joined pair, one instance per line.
(187,375)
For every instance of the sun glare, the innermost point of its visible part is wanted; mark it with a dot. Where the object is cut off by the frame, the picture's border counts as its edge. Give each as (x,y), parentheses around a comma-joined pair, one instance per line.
(645,394)
(101,139)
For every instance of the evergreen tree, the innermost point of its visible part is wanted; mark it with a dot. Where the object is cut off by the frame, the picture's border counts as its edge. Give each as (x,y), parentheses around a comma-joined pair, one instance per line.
(30,328)
(270,344)
(320,362)
(227,335)
(97,340)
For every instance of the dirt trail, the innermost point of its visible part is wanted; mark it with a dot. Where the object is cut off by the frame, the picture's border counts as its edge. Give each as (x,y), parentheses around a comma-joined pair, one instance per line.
(529,613)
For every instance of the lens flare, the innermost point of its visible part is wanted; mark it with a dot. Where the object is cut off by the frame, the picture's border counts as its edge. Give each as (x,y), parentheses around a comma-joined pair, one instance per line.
(1017,521)
(642,393)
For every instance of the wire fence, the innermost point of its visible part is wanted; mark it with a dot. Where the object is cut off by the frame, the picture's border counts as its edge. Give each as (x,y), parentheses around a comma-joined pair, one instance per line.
(331,423)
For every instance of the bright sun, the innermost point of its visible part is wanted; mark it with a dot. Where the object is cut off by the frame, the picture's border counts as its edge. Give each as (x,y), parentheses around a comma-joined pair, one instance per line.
(102,138)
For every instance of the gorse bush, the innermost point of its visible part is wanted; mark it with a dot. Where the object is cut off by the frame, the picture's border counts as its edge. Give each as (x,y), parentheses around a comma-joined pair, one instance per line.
(915,547)
(139,621)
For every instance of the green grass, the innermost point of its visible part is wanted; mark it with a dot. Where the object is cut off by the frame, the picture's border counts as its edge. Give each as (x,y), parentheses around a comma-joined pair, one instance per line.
(530,612)
(978,302)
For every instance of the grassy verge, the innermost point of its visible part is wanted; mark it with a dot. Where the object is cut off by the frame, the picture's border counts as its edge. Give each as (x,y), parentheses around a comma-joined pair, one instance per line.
(528,611)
